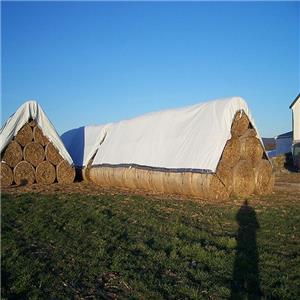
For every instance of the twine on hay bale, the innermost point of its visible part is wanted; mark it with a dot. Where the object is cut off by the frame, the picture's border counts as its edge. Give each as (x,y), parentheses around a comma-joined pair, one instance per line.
(13,154)
(251,149)
(39,137)
(45,173)
(34,153)
(231,153)
(243,179)
(263,174)
(24,173)
(52,154)
(7,176)
(240,124)
(25,135)
(65,173)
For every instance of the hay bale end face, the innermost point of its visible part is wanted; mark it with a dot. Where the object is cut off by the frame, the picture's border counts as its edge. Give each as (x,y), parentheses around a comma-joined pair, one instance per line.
(24,173)
(251,149)
(65,172)
(39,137)
(45,173)
(25,135)
(6,174)
(52,154)
(231,153)
(263,175)
(13,154)
(34,153)
(243,179)
(240,124)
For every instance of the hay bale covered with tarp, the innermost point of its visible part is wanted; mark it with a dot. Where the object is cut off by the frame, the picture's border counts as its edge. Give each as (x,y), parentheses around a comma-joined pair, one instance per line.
(31,148)
(208,150)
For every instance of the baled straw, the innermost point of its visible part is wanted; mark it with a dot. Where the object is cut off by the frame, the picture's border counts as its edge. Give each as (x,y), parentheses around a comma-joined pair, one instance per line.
(52,154)
(7,176)
(198,185)
(263,174)
(65,172)
(208,186)
(32,123)
(224,173)
(25,135)
(231,153)
(39,137)
(251,149)
(24,173)
(34,153)
(239,125)
(13,154)
(243,179)
(45,173)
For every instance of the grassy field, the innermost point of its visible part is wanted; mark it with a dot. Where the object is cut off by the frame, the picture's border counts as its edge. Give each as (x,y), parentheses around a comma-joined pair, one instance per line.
(64,246)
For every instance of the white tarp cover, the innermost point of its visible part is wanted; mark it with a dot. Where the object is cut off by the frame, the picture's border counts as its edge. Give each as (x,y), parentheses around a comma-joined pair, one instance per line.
(192,137)
(32,110)
(83,142)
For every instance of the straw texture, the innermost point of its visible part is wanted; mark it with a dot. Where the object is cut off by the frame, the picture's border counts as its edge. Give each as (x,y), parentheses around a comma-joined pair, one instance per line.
(45,173)
(24,173)
(39,137)
(7,176)
(13,154)
(65,173)
(34,153)
(24,135)
(52,154)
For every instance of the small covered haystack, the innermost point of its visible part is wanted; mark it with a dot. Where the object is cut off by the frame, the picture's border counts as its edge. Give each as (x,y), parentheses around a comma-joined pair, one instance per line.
(31,148)
(210,150)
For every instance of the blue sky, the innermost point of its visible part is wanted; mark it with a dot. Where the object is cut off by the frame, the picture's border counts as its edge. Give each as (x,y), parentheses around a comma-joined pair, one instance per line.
(98,62)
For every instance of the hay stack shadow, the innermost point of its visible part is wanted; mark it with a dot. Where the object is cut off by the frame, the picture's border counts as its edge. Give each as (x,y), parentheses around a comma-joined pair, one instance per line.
(246,280)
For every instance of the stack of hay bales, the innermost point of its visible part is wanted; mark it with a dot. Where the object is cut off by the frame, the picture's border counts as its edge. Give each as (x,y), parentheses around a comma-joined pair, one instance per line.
(31,157)
(242,170)
(243,167)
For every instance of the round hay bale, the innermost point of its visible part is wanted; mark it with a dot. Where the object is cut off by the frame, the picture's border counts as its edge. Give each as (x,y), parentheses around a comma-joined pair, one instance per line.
(25,135)
(263,174)
(130,178)
(39,137)
(7,176)
(52,154)
(45,173)
(243,179)
(231,153)
(271,184)
(208,186)
(24,173)
(65,173)
(172,182)
(34,153)
(251,149)
(13,154)
(32,123)
(225,175)
(239,125)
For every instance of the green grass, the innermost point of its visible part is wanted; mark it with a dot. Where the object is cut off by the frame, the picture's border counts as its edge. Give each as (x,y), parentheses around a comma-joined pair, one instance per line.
(102,247)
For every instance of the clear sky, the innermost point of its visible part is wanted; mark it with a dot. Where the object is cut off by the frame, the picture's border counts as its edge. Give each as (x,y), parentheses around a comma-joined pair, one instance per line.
(98,62)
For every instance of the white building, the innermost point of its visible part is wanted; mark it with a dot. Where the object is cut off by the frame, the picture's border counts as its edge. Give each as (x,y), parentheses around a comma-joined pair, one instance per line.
(295,106)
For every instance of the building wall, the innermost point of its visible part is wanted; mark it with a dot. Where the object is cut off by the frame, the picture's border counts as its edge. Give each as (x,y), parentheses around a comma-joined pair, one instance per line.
(296,121)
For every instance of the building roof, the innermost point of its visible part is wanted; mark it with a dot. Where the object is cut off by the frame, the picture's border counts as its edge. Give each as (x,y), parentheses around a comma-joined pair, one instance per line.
(297,98)
(285,135)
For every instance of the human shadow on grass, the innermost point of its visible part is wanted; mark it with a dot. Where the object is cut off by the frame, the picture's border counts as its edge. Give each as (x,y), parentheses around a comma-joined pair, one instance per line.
(245,280)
